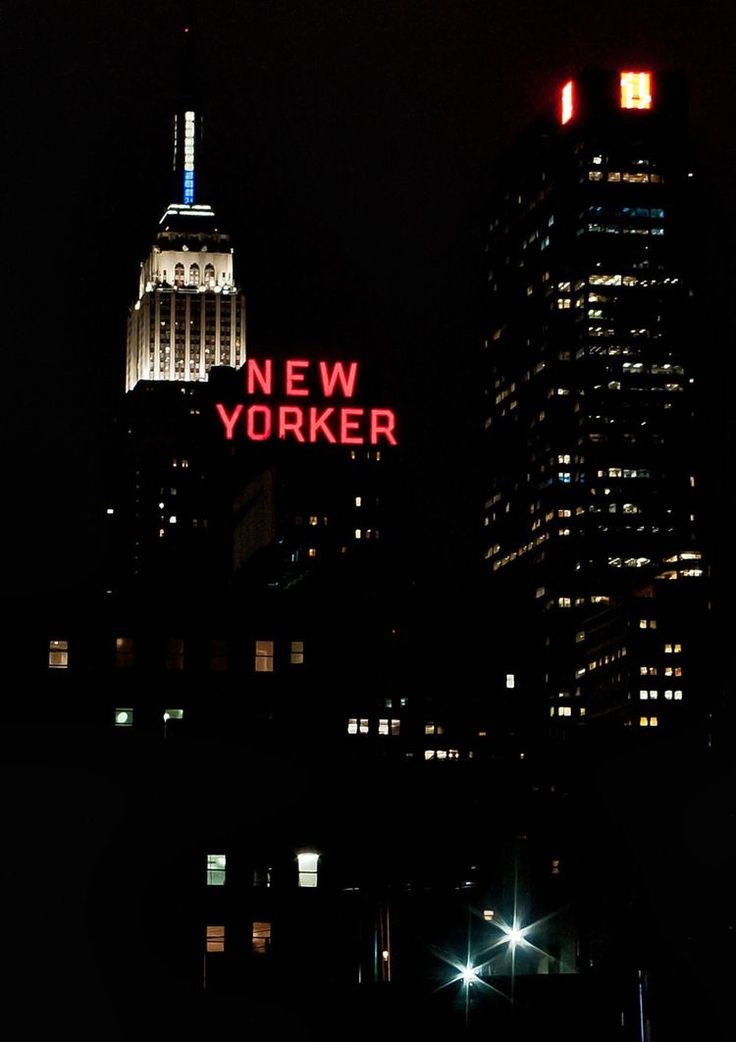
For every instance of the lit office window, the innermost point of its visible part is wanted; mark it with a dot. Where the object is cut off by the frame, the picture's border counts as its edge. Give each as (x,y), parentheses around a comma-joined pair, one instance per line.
(124,717)
(215,938)
(264,656)
(510,680)
(124,652)
(296,653)
(58,654)
(307,866)
(216,867)
(636,90)
(353,725)
(261,938)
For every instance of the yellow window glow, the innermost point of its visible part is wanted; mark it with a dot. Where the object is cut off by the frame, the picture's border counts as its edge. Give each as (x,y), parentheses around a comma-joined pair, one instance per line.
(636,90)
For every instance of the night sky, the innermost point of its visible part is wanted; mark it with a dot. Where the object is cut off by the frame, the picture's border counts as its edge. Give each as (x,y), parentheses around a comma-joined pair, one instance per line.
(350,147)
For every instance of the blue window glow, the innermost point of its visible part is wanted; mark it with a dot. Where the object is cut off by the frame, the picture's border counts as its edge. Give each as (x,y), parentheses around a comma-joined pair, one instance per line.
(189,186)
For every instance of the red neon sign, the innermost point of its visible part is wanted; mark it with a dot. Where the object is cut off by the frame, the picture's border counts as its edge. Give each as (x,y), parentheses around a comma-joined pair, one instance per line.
(567,103)
(636,90)
(336,424)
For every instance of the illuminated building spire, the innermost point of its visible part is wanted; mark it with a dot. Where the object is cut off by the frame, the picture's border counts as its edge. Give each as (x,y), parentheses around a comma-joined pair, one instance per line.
(187,122)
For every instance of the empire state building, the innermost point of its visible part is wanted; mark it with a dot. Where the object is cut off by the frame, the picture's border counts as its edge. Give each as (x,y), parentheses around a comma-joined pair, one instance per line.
(190,313)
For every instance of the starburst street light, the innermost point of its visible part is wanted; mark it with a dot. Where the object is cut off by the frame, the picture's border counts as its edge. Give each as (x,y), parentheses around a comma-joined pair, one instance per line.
(514,935)
(472,971)
(467,975)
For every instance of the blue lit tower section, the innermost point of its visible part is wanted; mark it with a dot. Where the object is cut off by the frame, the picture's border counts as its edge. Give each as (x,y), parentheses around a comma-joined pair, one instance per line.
(187,141)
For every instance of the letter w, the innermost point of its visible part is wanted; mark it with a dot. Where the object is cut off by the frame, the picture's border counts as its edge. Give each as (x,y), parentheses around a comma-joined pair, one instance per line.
(338,375)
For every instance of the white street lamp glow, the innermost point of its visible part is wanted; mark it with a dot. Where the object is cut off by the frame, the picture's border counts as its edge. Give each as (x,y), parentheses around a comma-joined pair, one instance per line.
(468,975)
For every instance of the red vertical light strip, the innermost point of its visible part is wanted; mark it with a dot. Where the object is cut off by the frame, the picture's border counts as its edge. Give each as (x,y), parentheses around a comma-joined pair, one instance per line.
(567,107)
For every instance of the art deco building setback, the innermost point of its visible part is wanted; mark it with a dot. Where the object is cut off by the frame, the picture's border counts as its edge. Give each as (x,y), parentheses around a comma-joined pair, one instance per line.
(591,479)
(190,313)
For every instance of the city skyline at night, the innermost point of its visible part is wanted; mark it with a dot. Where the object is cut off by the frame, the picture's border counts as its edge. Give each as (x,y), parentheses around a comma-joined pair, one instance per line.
(355,188)
(372,674)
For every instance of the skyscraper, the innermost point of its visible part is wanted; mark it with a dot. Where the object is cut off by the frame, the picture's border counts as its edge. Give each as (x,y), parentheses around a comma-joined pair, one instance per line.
(189,314)
(591,515)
